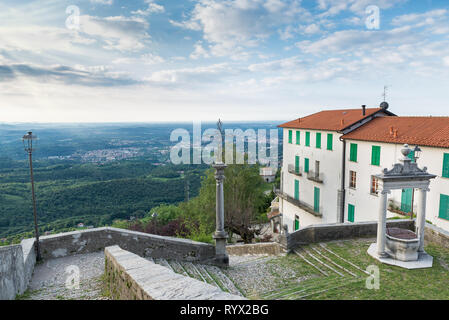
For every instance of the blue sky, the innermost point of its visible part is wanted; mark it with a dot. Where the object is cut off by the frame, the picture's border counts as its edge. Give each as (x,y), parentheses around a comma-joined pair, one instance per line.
(161,60)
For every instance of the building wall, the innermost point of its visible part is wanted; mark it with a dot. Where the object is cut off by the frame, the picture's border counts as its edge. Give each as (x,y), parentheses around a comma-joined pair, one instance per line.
(330,167)
(367,204)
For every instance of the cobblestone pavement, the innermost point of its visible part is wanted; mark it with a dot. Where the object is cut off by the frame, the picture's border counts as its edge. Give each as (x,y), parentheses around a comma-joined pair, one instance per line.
(55,279)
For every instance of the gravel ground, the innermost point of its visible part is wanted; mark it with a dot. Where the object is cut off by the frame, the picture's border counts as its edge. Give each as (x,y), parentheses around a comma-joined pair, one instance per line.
(50,277)
(253,274)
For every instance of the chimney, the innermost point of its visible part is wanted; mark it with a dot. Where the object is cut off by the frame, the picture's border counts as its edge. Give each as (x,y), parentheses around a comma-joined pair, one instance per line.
(391,130)
(342,121)
(299,120)
(396,133)
(364,109)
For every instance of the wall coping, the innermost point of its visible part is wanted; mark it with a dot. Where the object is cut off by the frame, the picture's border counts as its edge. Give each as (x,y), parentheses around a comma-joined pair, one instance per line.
(130,276)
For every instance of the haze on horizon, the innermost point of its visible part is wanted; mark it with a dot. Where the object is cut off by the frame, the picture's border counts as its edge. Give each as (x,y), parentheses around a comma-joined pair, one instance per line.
(148,61)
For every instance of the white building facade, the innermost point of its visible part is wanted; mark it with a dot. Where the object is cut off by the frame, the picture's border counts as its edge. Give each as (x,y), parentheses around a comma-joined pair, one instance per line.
(327,175)
(311,174)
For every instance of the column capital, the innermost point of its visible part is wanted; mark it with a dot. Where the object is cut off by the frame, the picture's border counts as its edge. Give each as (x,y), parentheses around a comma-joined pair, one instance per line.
(426,189)
(386,191)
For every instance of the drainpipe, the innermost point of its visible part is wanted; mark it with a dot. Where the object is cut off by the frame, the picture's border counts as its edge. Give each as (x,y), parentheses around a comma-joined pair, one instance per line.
(342,191)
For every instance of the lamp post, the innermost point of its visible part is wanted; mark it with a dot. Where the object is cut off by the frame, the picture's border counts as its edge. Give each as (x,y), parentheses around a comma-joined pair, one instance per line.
(220,235)
(416,155)
(28,145)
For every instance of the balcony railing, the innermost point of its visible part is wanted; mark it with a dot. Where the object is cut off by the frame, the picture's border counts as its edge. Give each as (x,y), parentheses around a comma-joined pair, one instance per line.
(315,176)
(301,204)
(295,170)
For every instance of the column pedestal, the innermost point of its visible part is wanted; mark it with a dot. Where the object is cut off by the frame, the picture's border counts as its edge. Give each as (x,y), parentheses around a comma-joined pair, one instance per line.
(220,235)
(382,225)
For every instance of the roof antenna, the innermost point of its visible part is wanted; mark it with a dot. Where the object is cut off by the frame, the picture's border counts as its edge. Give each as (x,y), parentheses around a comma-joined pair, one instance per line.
(384,104)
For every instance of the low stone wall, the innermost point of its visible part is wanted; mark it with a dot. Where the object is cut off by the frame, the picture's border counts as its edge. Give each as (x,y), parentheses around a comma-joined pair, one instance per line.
(130,277)
(436,235)
(16,268)
(142,244)
(337,231)
(270,248)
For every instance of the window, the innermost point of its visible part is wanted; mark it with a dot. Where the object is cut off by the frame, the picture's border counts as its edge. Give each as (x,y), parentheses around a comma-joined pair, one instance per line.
(375,155)
(351,212)
(446,165)
(297,164)
(353,152)
(296,222)
(444,207)
(307,139)
(290,136)
(329,141)
(374,185)
(306,164)
(296,189)
(316,200)
(297,137)
(318,140)
(352,179)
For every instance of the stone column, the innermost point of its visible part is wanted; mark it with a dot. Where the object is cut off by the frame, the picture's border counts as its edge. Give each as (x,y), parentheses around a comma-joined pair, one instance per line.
(382,224)
(220,235)
(421,221)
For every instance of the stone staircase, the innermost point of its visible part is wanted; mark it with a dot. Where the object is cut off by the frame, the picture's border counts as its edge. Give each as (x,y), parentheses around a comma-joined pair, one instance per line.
(335,271)
(206,273)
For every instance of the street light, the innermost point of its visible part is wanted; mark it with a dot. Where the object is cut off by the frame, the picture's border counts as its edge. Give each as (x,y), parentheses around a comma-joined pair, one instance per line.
(28,146)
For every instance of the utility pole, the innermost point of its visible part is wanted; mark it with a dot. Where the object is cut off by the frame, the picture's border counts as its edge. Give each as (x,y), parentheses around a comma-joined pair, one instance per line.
(28,144)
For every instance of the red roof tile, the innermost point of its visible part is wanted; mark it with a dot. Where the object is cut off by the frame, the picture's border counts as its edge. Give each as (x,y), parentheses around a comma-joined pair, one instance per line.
(332,120)
(422,131)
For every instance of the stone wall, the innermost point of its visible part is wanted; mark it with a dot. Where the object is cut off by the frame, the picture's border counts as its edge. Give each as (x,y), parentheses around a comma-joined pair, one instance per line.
(270,248)
(142,244)
(16,268)
(130,277)
(436,235)
(337,231)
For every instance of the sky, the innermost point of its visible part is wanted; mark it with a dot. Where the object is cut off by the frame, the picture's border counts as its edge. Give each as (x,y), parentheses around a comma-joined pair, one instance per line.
(238,60)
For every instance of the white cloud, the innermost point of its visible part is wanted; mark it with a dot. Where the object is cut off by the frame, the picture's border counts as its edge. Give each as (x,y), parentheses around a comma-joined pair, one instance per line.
(199,51)
(152,8)
(233,26)
(106,2)
(446,61)
(118,32)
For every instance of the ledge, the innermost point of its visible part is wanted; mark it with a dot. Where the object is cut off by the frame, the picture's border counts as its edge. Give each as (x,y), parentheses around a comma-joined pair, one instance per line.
(300,204)
(130,277)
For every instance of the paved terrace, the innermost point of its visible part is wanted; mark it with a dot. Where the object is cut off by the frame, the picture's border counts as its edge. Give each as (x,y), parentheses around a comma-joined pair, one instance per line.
(330,270)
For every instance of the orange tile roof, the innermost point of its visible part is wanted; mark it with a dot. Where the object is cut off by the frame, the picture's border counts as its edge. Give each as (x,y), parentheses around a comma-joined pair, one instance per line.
(422,131)
(332,120)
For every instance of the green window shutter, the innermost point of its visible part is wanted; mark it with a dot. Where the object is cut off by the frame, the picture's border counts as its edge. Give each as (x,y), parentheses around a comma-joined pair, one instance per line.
(329,141)
(307,139)
(446,165)
(296,223)
(411,155)
(444,207)
(297,137)
(296,189)
(316,200)
(351,211)
(306,165)
(353,152)
(297,164)
(290,136)
(375,155)
(318,140)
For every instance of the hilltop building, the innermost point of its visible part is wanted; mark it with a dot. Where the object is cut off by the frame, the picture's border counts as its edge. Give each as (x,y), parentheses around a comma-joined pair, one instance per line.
(331,157)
